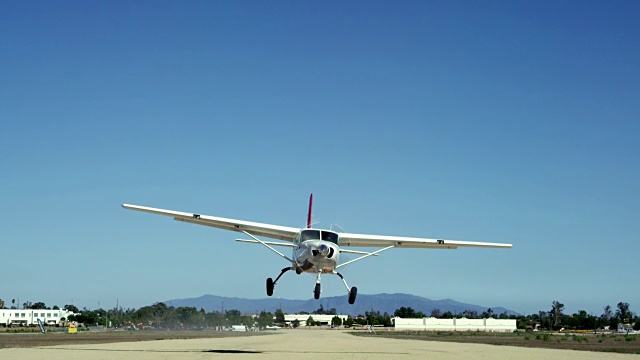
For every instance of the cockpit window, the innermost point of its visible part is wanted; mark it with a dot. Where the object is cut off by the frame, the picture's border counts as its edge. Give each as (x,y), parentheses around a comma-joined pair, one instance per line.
(330,236)
(309,235)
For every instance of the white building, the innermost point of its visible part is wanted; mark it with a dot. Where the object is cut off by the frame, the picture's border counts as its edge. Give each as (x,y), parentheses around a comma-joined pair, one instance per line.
(463,324)
(28,317)
(322,319)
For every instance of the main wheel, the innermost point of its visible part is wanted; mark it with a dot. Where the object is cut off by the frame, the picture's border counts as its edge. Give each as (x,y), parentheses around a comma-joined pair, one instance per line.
(352,295)
(269,286)
(316,292)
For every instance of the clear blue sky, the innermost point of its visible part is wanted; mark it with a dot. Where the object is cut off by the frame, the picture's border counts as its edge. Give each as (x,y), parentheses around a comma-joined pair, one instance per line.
(490,121)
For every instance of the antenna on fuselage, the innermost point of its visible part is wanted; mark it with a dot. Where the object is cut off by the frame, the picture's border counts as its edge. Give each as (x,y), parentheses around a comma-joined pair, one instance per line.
(309,214)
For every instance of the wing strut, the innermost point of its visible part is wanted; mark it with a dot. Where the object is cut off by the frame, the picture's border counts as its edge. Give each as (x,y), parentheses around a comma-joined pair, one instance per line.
(267,245)
(364,256)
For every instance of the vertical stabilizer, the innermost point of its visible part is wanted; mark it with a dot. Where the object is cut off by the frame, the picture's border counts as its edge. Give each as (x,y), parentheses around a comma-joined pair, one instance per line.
(309,214)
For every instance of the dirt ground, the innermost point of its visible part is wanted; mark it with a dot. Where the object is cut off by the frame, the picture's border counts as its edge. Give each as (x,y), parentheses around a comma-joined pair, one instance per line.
(36,339)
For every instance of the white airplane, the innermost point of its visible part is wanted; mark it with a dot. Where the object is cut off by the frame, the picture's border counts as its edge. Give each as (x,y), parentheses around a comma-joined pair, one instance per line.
(315,251)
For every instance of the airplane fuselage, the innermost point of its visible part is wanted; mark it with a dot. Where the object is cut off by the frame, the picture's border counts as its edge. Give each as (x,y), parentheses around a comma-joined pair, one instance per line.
(316,251)
(316,256)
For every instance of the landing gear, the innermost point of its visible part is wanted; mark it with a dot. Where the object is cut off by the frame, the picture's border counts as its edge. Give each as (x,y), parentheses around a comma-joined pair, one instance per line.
(316,291)
(352,295)
(272,283)
(353,292)
(269,286)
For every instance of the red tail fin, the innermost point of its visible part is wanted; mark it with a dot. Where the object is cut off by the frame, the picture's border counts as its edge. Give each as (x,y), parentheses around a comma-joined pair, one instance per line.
(309,215)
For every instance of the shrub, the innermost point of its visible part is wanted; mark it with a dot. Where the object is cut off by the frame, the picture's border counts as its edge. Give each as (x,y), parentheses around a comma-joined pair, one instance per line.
(543,337)
(580,339)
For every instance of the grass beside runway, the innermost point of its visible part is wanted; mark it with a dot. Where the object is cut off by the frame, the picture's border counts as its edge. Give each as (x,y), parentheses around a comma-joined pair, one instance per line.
(617,343)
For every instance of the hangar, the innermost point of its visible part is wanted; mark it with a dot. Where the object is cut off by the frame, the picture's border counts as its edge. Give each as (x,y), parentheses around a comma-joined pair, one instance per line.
(322,319)
(462,324)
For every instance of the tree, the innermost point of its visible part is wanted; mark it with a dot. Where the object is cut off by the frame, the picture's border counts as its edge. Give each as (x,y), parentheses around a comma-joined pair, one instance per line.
(470,314)
(436,313)
(279,316)
(336,321)
(13,303)
(606,315)
(1,304)
(72,308)
(543,319)
(310,321)
(556,312)
(348,322)
(38,305)
(265,319)
(295,323)
(623,313)
(405,313)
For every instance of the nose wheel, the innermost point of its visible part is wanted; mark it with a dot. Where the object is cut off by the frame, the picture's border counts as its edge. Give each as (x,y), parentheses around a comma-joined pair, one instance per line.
(317,290)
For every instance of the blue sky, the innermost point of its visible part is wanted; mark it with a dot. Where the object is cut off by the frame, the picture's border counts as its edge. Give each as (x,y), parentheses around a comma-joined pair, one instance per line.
(490,121)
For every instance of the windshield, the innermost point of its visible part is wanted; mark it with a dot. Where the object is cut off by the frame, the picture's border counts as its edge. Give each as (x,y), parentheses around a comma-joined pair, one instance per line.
(309,235)
(330,236)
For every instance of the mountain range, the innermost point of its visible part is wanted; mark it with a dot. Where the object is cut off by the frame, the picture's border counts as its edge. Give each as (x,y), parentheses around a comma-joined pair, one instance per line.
(379,302)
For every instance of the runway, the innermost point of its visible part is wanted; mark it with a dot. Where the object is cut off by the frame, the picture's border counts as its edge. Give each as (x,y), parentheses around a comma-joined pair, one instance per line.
(303,344)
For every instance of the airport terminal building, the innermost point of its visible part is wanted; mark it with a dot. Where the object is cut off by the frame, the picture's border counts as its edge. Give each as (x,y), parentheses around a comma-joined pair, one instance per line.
(26,317)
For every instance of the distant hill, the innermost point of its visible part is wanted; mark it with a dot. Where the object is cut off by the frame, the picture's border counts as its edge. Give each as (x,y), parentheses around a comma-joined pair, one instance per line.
(379,302)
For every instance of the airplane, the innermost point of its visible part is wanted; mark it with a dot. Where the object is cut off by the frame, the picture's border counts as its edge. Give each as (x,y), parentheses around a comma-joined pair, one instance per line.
(315,251)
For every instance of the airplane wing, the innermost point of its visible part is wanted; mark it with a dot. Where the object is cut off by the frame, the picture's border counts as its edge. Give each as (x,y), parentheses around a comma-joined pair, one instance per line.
(362,240)
(260,229)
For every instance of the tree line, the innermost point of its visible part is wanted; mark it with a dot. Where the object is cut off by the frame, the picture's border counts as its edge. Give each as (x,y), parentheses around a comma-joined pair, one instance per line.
(161,316)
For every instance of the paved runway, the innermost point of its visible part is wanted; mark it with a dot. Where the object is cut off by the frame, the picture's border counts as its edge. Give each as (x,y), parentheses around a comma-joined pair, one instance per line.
(298,344)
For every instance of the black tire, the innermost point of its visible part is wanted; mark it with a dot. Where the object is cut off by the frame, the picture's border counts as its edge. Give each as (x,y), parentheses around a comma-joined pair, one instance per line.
(269,286)
(352,295)
(316,292)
